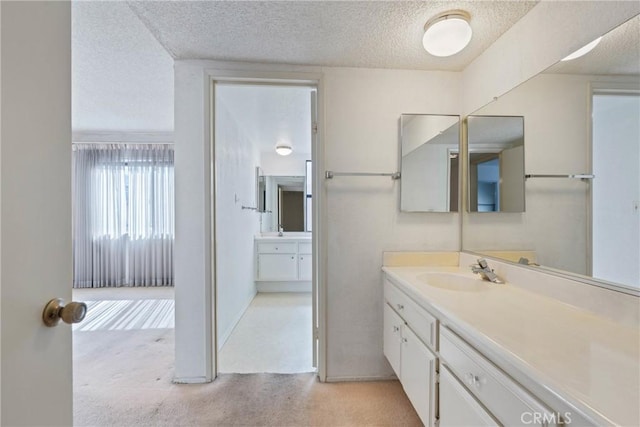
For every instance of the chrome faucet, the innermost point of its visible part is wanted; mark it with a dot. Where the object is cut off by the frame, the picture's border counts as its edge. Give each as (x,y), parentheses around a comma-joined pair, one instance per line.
(280,230)
(485,271)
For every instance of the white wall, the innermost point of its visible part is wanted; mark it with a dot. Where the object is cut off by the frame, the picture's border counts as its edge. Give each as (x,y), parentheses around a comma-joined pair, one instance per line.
(291,165)
(616,189)
(193,254)
(362,108)
(236,160)
(362,111)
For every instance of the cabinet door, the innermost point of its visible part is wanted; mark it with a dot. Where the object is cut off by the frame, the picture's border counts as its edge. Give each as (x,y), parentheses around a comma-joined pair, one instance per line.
(392,337)
(458,408)
(417,375)
(277,267)
(304,266)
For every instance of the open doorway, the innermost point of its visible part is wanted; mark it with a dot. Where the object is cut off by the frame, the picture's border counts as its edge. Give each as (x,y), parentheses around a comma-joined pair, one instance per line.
(263,222)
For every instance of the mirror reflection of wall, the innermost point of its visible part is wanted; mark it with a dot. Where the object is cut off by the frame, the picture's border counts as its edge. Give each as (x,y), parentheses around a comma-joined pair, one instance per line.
(429,165)
(496,163)
(563,224)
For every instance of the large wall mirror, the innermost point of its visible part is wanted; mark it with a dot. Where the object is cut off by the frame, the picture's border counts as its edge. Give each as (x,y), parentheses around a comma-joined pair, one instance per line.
(429,146)
(582,168)
(495,163)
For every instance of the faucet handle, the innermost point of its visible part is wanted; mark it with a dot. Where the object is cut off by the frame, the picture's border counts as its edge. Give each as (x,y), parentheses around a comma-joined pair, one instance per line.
(483,263)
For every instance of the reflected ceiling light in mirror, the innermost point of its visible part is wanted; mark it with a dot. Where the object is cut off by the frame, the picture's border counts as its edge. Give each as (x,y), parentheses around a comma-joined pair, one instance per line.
(284,149)
(583,50)
(447,33)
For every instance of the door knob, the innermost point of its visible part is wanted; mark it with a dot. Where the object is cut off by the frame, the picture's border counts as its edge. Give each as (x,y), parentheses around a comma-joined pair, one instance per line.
(56,309)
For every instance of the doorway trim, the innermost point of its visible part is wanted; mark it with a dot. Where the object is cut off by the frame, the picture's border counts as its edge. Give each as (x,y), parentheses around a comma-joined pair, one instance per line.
(275,78)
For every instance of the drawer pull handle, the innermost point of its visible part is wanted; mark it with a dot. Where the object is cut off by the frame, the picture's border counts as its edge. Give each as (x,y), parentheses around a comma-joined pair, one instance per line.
(396,329)
(470,378)
(400,306)
(474,380)
(404,340)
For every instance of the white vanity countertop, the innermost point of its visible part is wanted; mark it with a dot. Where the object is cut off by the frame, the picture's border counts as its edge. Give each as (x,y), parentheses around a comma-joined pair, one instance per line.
(563,354)
(287,235)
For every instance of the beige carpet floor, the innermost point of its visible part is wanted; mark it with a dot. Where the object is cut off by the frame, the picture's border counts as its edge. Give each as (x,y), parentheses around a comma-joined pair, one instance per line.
(122,377)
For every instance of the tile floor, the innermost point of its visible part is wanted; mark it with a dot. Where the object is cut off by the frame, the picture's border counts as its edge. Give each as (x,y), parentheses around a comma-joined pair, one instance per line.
(273,335)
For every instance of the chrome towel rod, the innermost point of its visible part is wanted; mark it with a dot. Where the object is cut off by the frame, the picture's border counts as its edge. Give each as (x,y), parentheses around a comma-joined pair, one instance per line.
(331,174)
(576,176)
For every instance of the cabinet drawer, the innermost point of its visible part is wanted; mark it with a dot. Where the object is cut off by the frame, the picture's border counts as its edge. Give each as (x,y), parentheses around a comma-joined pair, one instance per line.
(277,248)
(458,408)
(304,248)
(423,324)
(506,399)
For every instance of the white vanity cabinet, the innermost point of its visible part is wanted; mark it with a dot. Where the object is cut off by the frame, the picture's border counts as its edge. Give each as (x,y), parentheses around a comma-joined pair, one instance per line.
(277,261)
(283,259)
(410,345)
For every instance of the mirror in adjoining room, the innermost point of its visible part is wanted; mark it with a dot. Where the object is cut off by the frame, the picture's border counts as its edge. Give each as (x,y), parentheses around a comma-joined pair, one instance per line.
(582,168)
(429,146)
(496,163)
(284,201)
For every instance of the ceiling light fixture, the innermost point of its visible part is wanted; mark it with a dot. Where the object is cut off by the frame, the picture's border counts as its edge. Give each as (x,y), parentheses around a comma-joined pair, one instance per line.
(447,33)
(284,149)
(583,50)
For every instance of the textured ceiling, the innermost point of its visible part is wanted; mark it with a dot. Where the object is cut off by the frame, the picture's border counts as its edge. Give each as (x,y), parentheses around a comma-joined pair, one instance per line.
(122,78)
(377,34)
(617,53)
(270,114)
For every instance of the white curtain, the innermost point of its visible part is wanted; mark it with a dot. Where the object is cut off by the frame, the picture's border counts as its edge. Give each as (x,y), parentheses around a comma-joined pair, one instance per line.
(123,215)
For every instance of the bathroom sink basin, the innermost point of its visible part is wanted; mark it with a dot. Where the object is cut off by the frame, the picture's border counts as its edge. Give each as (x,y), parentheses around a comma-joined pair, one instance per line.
(454,282)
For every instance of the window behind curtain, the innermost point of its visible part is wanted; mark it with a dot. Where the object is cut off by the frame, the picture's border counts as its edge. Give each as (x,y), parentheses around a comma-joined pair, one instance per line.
(123,215)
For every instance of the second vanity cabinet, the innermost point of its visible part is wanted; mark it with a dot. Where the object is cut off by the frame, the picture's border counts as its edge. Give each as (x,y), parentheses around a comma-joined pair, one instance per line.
(283,259)
(410,345)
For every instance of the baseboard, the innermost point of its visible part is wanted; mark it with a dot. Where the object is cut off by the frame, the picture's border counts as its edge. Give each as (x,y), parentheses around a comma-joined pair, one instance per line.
(283,286)
(191,380)
(222,338)
(361,379)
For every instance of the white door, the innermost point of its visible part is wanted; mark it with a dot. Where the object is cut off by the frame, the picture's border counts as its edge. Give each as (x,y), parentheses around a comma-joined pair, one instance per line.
(277,267)
(392,339)
(417,375)
(305,267)
(35,177)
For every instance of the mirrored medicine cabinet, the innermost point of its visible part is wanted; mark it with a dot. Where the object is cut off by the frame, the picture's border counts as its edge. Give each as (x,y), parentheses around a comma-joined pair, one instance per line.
(429,146)
(495,146)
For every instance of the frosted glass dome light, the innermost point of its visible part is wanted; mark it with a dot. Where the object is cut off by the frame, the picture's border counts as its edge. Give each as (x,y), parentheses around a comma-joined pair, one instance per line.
(284,149)
(583,50)
(447,33)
